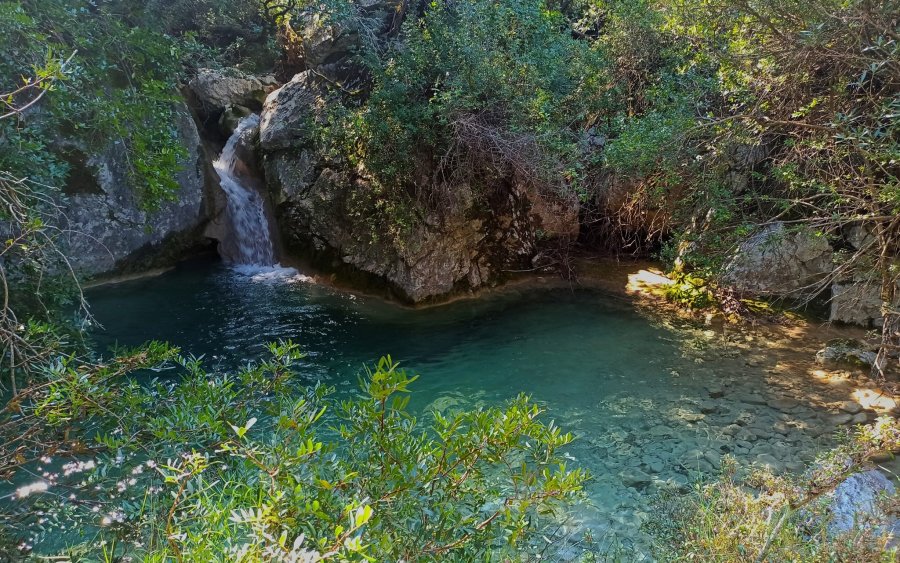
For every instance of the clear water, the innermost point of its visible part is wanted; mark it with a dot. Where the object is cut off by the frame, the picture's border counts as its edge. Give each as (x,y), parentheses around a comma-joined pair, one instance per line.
(631,390)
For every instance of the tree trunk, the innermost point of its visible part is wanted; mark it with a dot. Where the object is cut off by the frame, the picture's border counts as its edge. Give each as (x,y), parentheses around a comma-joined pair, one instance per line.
(890,330)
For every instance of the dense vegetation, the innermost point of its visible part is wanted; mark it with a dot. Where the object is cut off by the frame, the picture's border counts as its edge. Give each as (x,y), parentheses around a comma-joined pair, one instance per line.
(641,110)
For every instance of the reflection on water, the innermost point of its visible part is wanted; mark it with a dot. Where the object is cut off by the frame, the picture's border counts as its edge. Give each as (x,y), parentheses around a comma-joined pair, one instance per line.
(647,413)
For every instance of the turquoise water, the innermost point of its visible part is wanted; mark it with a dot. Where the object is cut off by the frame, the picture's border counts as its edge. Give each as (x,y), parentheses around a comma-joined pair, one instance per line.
(635,393)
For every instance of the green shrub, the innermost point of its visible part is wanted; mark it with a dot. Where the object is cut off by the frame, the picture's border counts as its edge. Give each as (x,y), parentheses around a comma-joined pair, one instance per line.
(253,466)
(757,516)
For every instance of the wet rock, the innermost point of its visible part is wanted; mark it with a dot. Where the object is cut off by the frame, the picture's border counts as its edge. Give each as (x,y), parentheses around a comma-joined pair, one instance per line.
(855,502)
(633,477)
(732,430)
(660,430)
(744,418)
(781,428)
(688,415)
(795,466)
(783,404)
(653,464)
(752,399)
(714,458)
(715,392)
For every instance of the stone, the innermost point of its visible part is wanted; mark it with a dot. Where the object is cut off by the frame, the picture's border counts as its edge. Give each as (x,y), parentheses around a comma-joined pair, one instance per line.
(660,430)
(732,429)
(635,478)
(783,404)
(107,231)
(744,418)
(752,399)
(714,458)
(653,464)
(230,118)
(689,416)
(769,462)
(217,90)
(860,418)
(856,302)
(851,407)
(290,112)
(779,261)
(330,215)
(715,392)
(841,419)
(845,353)
(795,466)
(855,502)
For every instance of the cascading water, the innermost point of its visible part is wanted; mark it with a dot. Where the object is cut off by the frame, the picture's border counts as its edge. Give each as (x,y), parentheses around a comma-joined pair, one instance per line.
(246,209)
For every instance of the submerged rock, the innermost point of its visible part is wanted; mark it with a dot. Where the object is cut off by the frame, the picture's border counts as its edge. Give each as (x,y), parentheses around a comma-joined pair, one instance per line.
(633,477)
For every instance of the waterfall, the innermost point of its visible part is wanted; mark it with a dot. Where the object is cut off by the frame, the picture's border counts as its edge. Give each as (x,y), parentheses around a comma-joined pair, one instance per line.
(246,208)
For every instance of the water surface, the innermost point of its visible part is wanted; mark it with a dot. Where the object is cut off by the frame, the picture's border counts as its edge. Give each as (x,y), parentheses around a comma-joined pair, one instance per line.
(647,412)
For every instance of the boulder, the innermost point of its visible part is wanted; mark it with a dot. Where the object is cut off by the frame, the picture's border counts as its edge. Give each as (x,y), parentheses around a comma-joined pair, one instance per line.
(780,262)
(856,302)
(107,230)
(845,352)
(289,113)
(217,90)
(336,217)
(855,502)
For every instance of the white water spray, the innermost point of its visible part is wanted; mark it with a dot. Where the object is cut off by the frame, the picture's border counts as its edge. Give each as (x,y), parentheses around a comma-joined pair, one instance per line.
(246,208)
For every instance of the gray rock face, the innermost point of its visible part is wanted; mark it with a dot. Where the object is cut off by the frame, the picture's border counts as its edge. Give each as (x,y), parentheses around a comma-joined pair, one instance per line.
(106,228)
(780,262)
(329,213)
(217,90)
(856,302)
(855,503)
(290,112)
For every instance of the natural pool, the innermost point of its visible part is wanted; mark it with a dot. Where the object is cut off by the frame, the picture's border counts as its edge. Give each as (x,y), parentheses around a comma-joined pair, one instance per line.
(651,405)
